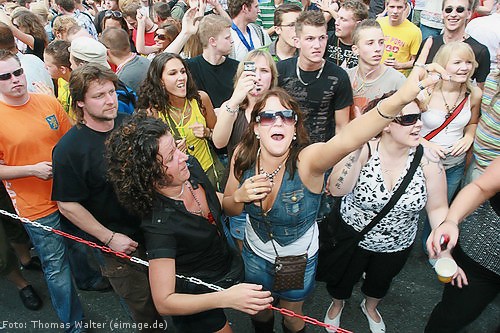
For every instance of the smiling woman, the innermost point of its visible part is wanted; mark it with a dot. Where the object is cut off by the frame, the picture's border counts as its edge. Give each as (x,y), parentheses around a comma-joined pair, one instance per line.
(169,93)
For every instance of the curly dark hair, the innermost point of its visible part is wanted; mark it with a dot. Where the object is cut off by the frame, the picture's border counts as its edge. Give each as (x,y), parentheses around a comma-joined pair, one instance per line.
(154,96)
(134,166)
(247,150)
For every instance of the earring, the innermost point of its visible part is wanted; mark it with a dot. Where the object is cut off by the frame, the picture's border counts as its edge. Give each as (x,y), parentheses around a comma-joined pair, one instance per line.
(294,136)
(257,136)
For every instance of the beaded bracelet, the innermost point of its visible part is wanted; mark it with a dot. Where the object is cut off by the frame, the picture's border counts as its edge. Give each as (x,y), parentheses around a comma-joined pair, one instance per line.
(231,111)
(383,115)
(110,239)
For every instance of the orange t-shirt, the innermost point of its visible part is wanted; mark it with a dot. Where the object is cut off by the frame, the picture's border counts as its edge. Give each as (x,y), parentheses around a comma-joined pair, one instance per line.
(28,133)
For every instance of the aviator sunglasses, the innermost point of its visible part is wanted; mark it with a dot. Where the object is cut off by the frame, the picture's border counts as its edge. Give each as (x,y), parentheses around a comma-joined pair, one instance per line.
(113,13)
(7,76)
(459,9)
(160,36)
(408,119)
(268,118)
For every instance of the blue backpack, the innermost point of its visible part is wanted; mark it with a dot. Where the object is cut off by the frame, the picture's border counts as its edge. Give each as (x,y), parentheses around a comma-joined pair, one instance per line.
(127,98)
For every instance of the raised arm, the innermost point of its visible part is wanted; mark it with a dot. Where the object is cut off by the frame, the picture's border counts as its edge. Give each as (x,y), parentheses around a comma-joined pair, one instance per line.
(228,111)
(140,43)
(190,23)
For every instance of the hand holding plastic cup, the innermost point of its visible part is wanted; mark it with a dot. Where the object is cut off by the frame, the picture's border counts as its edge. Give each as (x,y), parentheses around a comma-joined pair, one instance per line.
(445,269)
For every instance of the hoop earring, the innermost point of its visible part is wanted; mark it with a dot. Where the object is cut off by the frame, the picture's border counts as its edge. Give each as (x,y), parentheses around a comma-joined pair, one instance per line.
(257,136)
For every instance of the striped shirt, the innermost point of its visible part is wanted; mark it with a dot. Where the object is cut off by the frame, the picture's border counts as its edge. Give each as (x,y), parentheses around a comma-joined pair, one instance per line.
(487,141)
(266,15)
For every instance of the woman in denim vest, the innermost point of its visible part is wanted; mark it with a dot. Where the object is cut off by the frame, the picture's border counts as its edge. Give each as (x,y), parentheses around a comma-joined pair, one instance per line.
(278,179)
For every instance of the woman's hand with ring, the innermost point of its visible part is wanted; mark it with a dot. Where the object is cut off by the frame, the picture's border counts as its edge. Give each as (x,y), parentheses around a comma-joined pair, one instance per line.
(254,188)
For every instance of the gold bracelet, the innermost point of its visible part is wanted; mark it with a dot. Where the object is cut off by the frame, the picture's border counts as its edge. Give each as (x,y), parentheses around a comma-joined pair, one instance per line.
(383,115)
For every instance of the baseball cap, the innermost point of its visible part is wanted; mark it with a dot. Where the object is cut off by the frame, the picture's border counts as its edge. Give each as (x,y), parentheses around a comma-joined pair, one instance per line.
(89,50)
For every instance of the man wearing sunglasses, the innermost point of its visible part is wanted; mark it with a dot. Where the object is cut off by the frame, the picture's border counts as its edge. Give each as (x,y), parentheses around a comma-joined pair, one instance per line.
(26,170)
(456,14)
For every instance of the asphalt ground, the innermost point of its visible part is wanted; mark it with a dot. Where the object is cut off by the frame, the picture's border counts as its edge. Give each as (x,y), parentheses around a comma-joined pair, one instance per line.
(406,308)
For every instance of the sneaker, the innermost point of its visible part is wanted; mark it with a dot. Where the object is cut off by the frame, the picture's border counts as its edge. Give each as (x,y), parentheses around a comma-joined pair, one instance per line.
(374,326)
(30,298)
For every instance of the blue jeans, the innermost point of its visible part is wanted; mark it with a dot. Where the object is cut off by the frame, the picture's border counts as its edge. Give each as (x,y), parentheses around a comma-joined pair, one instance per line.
(53,254)
(454,176)
(261,271)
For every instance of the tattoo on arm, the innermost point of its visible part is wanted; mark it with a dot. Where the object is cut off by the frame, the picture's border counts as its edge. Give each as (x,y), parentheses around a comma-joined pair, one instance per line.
(345,171)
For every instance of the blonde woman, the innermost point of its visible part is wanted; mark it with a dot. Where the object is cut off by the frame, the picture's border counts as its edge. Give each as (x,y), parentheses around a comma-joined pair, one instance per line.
(233,116)
(453,141)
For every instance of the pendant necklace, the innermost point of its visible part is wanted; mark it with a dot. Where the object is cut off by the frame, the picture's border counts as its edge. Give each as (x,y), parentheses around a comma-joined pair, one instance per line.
(181,193)
(447,106)
(200,209)
(317,76)
(268,175)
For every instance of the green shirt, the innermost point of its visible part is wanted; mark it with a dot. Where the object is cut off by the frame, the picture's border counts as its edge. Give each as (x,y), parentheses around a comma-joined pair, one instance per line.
(266,15)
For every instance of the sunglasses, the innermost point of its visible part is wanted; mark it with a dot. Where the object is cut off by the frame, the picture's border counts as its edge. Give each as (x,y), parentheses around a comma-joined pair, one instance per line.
(7,76)
(113,13)
(408,119)
(268,118)
(160,36)
(459,9)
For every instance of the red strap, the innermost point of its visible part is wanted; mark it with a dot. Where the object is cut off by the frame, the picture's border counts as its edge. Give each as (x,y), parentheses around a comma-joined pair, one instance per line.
(448,120)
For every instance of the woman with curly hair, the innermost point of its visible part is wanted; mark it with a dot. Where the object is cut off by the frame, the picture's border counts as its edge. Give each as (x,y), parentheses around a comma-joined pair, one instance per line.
(28,28)
(169,93)
(181,221)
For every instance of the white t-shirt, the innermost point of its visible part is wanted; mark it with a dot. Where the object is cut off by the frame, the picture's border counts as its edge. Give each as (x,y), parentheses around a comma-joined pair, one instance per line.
(239,50)
(35,71)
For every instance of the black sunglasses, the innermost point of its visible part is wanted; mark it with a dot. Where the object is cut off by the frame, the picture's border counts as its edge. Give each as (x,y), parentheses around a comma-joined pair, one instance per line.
(459,9)
(268,118)
(408,119)
(160,36)
(113,13)
(7,76)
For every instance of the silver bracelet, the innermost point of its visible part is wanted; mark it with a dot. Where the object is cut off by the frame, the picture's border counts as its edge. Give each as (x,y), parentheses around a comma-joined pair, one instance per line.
(231,111)
(383,115)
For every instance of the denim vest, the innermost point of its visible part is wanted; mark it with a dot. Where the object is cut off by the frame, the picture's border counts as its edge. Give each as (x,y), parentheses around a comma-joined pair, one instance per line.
(294,211)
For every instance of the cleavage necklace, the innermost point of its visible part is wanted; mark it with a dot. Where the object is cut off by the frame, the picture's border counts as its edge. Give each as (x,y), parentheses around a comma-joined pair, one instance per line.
(268,175)
(447,106)
(297,70)
(200,209)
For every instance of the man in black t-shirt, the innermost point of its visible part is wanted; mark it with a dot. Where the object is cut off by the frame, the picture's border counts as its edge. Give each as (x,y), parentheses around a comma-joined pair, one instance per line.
(213,71)
(88,200)
(456,14)
(339,46)
(322,88)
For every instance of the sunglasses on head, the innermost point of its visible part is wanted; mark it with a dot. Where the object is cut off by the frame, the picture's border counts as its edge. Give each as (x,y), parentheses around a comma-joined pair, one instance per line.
(160,36)
(408,119)
(268,118)
(7,76)
(459,9)
(113,13)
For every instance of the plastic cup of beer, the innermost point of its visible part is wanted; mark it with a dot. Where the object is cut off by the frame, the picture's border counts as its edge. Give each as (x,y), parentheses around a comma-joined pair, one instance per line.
(445,269)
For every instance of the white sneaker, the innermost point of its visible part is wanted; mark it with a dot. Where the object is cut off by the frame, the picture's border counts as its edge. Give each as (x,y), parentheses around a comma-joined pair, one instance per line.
(374,326)
(333,321)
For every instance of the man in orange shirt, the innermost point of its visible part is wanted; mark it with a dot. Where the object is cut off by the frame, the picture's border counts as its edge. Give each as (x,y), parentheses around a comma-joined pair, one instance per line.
(31,125)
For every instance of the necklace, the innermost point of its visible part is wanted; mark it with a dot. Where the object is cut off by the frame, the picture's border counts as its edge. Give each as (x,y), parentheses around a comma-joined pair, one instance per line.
(271,175)
(200,209)
(181,193)
(359,75)
(182,117)
(447,106)
(317,76)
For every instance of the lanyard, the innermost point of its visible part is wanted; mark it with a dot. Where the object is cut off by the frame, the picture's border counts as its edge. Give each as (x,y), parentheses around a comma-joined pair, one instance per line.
(250,46)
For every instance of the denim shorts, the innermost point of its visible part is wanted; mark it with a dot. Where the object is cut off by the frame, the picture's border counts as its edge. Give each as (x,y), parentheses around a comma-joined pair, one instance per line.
(261,271)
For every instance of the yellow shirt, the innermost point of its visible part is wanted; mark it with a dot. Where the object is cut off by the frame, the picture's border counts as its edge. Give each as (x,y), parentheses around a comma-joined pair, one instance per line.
(401,42)
(64,97)
(200,145)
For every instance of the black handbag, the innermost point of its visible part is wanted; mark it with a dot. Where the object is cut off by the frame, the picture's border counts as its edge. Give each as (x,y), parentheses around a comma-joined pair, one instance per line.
(338,241)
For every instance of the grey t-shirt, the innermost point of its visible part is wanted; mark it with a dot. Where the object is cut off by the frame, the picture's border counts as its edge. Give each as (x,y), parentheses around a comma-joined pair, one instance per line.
(134,72)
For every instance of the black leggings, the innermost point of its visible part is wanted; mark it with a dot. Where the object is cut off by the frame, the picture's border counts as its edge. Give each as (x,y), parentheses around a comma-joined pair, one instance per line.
(461,306)
(380,269)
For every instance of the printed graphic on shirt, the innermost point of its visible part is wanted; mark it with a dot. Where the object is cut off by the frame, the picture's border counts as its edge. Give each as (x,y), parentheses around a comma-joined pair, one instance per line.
(53,123)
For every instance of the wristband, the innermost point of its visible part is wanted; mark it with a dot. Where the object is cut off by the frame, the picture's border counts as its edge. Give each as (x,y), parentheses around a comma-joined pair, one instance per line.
(383,115)
(231,111)
(110,239)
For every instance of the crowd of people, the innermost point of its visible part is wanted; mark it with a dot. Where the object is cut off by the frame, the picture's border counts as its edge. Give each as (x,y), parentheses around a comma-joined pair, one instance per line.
(215,138)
